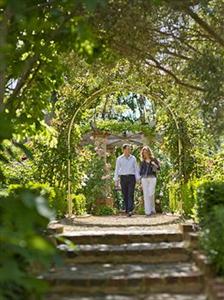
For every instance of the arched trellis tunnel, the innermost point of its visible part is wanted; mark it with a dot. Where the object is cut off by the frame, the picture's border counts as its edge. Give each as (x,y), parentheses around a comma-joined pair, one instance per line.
(143,90)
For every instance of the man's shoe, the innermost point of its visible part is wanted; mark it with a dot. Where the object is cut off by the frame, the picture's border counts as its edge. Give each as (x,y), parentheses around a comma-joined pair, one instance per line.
(129,214)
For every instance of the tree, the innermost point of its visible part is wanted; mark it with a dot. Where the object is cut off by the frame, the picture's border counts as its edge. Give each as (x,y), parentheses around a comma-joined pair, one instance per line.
(33,36)
(160,39)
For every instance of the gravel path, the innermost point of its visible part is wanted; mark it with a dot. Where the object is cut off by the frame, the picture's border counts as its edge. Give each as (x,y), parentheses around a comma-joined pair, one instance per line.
(136,223)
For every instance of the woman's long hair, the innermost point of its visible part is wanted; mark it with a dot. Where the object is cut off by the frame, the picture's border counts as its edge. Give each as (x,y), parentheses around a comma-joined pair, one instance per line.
(149,151)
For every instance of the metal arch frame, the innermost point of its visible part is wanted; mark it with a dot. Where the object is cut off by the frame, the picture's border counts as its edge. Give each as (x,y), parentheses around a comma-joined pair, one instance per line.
(105,91)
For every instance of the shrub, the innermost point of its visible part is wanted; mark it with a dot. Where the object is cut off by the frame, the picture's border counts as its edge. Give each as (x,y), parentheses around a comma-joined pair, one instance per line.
(20,172)
(174,197)
(209,194)
(59,202)
(118,198)
(162,192)
(56,197)
(103,210)
(187,194)
(95,186)
(181,197)
(198,196)
(79,204)
(212,240)
(140,210)
(24,215)
(36,189)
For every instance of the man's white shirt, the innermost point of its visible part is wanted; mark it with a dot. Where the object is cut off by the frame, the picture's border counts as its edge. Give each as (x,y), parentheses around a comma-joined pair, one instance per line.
(126,165)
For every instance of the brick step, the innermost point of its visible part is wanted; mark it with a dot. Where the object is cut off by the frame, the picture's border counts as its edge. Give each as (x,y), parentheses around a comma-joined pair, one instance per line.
(120,237)
(127,253)
(183,278)
(123,297)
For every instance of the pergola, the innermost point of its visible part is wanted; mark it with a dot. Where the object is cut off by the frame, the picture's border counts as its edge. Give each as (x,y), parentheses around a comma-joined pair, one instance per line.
(110,140)
(104,143)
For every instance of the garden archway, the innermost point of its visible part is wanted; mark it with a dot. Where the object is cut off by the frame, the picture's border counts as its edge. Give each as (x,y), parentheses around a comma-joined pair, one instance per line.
(107,91)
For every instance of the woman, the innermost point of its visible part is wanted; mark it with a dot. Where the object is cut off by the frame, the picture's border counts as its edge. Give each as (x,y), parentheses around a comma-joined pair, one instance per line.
(148,171)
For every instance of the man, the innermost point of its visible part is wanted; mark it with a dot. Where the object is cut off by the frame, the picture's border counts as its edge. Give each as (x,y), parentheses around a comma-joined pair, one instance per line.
(127,170)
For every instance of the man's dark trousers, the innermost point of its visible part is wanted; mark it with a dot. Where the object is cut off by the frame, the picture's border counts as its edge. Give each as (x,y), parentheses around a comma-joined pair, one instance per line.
(128,189)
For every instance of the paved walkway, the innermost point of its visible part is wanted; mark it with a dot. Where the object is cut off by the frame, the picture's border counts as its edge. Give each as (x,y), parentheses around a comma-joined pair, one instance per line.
(136,223)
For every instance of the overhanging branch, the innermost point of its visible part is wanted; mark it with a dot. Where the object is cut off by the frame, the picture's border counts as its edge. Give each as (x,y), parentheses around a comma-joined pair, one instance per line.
(204,25)
(170,73)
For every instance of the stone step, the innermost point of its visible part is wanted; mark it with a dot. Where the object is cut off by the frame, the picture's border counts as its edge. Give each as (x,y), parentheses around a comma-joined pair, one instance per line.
(126,279)
(127,253)
(123,297)
(120,237)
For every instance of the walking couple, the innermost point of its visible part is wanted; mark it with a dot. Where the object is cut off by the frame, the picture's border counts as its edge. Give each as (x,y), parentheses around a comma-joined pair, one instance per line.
(128,171)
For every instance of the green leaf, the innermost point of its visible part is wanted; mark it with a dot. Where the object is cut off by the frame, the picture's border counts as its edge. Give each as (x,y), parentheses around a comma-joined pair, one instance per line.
(10,152)
(6,127)
(156,2)
(3,159)
(43,209)
(27,152)
(92,4)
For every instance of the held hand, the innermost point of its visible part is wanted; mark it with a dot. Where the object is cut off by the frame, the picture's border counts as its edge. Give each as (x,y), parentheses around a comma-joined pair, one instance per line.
(138,180)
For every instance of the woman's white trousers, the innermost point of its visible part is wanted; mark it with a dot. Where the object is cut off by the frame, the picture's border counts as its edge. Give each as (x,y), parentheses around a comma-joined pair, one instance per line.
(149,186)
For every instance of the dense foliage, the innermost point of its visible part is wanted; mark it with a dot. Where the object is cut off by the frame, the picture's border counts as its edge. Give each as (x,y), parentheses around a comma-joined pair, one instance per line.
(210,209)
(212,239)
(209,195)
(25,251)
